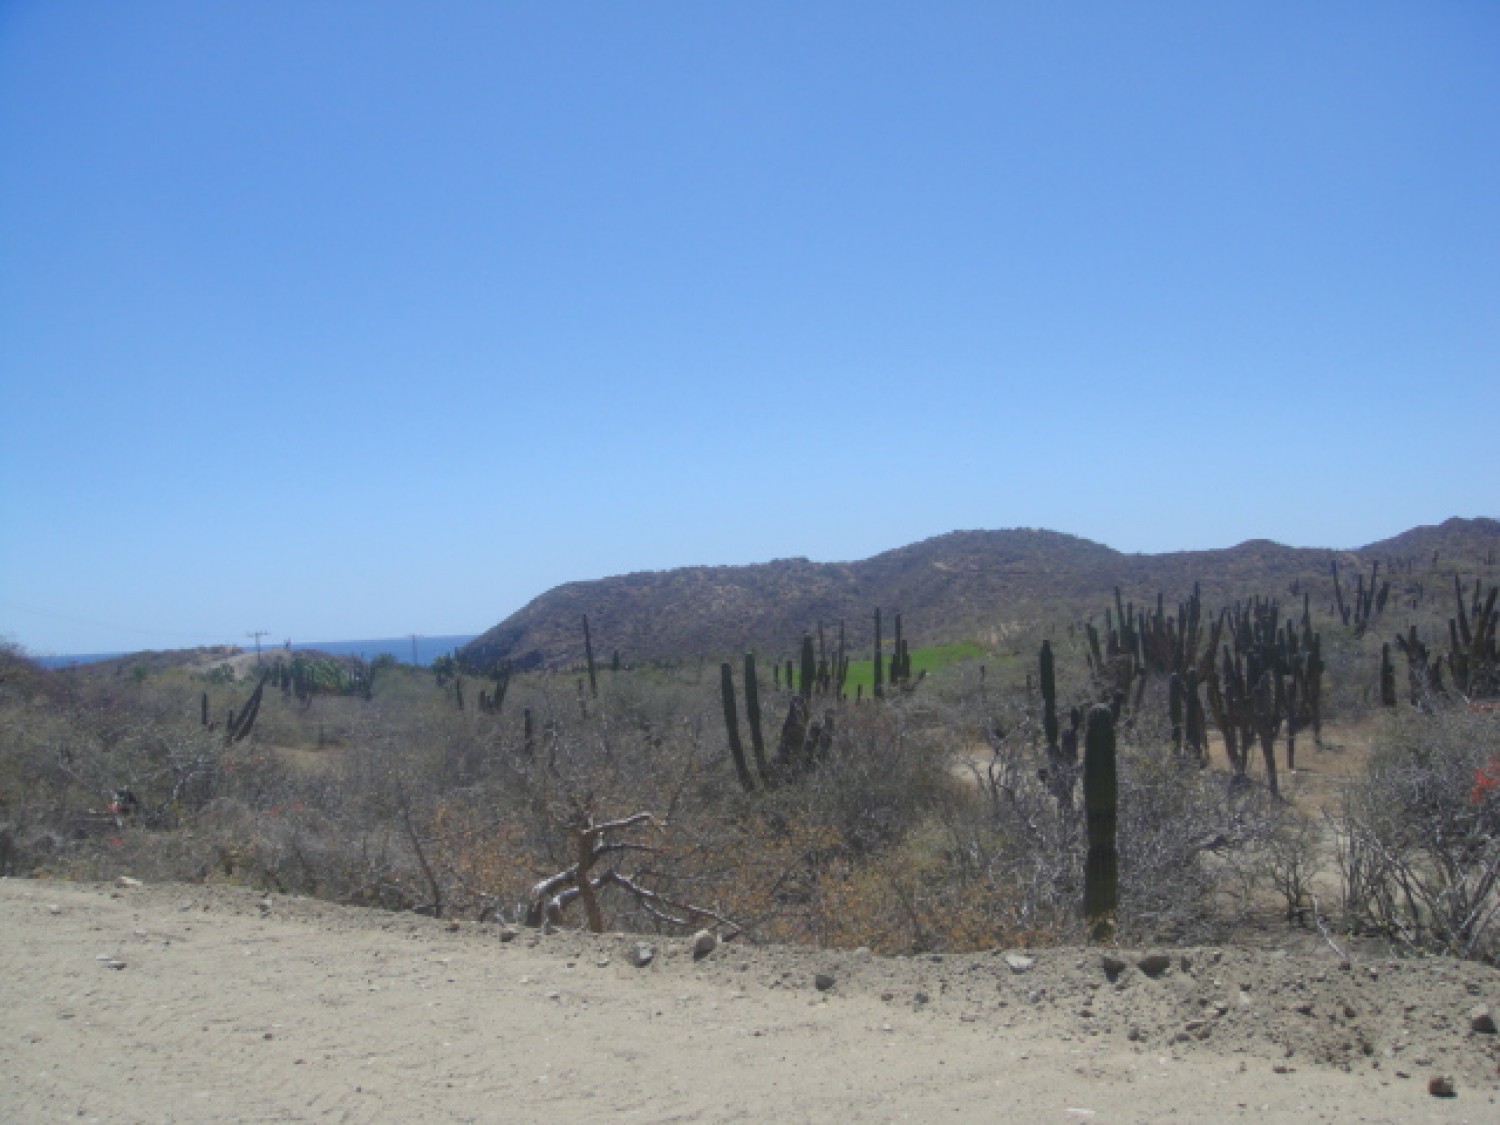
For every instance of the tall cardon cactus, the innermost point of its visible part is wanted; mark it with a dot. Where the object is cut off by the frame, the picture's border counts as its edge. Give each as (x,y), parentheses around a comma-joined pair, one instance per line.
(732,728)
(1101,873)
(1059,775)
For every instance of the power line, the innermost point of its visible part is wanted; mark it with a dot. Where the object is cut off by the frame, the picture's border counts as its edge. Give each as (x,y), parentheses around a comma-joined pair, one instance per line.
(258,634)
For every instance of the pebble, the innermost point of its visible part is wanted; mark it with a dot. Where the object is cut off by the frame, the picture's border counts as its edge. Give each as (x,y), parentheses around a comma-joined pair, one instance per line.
(1482,1019)
(643,954)
(1019,963)
(822,981)
(1441,1086)
(704,943)
(1154,964)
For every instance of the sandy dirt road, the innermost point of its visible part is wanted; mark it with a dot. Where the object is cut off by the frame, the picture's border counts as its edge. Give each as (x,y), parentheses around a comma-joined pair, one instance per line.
(233,1007)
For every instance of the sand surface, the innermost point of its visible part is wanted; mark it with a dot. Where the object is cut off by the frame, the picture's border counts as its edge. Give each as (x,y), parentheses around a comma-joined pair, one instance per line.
(197,1003)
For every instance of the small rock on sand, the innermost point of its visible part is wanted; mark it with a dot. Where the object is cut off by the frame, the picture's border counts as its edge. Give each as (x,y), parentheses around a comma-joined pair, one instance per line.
(1154,964)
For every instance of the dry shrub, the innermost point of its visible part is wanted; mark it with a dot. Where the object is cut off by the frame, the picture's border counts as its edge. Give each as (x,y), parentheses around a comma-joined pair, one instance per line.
(1419,837)
(1188,837)
(917,899)
(872,840)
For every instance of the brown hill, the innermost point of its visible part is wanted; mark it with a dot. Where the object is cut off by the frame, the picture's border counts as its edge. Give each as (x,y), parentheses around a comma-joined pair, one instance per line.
(966,585)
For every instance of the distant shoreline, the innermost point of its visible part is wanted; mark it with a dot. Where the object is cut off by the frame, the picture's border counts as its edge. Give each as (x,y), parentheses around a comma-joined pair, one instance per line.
(427,650)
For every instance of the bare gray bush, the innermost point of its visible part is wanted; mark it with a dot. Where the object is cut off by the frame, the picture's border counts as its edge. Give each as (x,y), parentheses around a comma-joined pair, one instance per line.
(1189,839)
(1419,837)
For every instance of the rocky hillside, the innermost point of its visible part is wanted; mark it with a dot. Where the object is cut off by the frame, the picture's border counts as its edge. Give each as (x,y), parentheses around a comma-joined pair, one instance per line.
(966,585)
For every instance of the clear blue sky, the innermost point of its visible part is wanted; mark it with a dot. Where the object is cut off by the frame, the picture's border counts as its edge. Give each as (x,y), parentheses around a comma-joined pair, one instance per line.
(353,320)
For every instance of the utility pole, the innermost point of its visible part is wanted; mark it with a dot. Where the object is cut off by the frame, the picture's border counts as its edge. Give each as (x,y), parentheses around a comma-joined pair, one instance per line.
(258,634)
(414,637)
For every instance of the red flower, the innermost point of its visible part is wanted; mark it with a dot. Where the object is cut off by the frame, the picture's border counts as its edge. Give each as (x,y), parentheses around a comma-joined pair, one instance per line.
(1486,778)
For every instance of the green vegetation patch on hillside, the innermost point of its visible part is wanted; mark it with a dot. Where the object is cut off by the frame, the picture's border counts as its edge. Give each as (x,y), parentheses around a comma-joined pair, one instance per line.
(930,660)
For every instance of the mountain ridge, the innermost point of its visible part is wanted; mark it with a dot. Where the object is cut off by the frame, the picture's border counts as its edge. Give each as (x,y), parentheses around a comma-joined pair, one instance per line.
(960,585)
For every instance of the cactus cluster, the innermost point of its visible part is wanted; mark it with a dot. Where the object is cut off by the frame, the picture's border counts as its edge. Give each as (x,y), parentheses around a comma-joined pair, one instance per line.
(1472,659)
(1263,675)
(1267,673)
(1369,598)
(896,673)
(1473,655)
(1155,641)
(815,671)
(804,739)
(900,659)
(1138,644)
(805,735)
(1185,711)
(490,703)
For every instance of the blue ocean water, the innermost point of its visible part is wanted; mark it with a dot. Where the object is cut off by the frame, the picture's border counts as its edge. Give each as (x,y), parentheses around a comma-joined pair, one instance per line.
(427,649)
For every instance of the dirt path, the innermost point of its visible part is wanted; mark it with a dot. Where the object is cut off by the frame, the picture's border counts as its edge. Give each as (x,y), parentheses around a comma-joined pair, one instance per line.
(230,1007)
